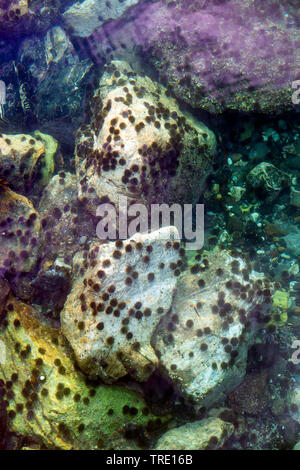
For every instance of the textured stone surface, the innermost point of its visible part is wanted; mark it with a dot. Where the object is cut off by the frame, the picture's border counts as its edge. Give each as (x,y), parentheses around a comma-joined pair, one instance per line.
(19,156)
(210,433)
(51,404)
(66,228)
(294,403)
(60,76)
(228,55)
(4,291)
(64,221)
(203,341)
(267,180)
(61,93)
(51,286)
(139,144)
(22,17)
(20,228)
(84,17)
(116,302)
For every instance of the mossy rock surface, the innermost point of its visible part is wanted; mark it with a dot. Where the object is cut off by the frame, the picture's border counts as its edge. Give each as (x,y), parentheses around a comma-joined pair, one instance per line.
(51,146)
(53,404)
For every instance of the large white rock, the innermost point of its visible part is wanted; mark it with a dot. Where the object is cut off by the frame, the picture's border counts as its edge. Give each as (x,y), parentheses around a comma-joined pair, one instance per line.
(86,16)
(204,339)
(139,144)
(117,301)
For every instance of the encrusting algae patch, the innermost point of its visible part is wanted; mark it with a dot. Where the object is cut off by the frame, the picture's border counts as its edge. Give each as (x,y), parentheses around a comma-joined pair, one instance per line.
(52,404)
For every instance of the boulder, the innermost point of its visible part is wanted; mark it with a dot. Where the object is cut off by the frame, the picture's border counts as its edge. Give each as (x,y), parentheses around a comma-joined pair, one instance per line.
(204,339)
(267,181)
(51,404)
(21,17)
(120,292)
(208,434)
(140,145)
(82,18)
(64,221)
(20,229)
(26,160)
(212,54)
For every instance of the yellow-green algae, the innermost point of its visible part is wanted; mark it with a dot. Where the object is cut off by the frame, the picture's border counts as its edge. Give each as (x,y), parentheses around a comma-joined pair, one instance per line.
(51,146)
(52,403)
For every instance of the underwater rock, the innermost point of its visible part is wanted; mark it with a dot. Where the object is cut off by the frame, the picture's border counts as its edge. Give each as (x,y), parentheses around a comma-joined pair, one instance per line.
(60,94)
(83,18)
(51,286)
(51,403)
(203,341)
(236,193)
(215,55)
(294,402)
(22,17)
(58,47)
(118,297)
(207,434)
(295,197)
(140,145)
(259,152)
(292,150)
(51,146)
(24,159)
(18,112)
(64,221)
(31,54)
(20,228)
(60,78)
(292,241)
(267,181)
(4,292)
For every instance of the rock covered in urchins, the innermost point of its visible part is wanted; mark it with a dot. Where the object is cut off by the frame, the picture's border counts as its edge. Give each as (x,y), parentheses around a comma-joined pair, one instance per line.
(120,292)
(139,144)
(20,229)
(21,158)
(64,220)
(51,404)
(203,341)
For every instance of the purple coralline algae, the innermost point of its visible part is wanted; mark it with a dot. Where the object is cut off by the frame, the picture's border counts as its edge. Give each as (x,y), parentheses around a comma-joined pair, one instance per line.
(215,55)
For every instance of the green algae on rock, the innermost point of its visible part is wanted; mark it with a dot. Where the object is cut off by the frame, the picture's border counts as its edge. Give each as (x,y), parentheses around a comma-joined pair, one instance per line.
(51,146)
(51,403)
(207,434)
